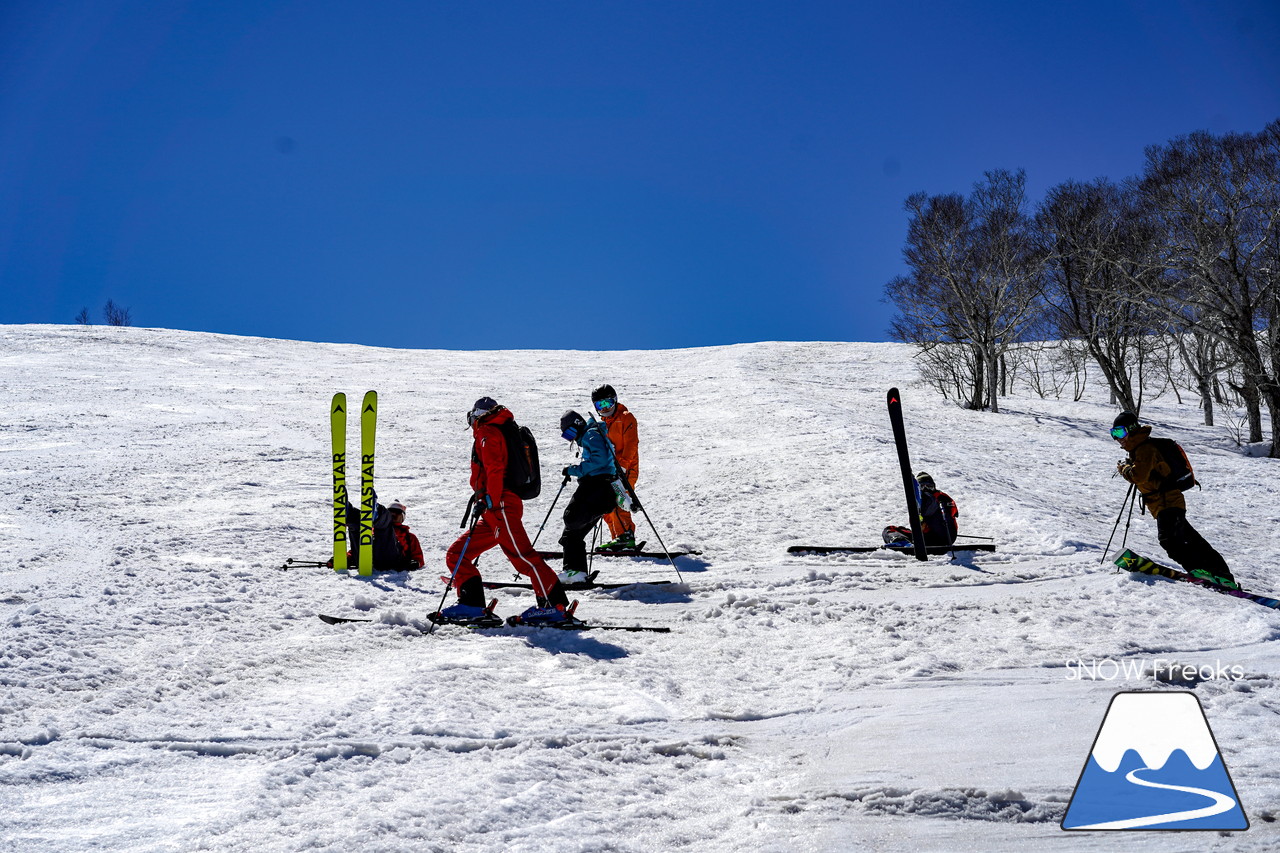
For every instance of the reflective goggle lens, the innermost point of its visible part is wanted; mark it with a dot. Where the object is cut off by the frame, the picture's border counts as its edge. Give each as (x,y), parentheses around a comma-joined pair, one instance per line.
(1118,432)
(606,404)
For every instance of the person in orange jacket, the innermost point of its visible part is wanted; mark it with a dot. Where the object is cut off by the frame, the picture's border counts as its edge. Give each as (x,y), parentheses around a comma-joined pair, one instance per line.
(625,439)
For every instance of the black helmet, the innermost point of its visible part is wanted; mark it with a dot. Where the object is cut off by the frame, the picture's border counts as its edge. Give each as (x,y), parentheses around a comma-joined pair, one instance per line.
(1125,423)
(1125,419)
(926,481)
(604,399)
(571,420)
(480,408)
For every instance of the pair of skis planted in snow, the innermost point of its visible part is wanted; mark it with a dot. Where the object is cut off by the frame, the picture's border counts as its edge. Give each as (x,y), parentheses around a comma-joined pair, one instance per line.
(368,427)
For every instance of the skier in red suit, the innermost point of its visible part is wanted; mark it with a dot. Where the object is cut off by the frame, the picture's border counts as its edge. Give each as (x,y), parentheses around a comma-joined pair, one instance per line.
(501,524)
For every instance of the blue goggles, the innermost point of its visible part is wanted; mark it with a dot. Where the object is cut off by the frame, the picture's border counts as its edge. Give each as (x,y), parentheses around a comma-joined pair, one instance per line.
(1119,432)
(570,434)
(606,404)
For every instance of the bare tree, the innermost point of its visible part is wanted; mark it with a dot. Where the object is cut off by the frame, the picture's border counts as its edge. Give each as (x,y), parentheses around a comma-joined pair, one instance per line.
(1217,201)
(1098,255)
(973,282)
(117,315)
(83,317)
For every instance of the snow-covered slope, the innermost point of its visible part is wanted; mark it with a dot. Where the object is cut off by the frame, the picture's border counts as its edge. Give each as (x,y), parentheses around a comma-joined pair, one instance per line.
(165,686)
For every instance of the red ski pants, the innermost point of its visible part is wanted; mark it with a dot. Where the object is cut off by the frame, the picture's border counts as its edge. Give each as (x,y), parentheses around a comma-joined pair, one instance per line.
(502,526)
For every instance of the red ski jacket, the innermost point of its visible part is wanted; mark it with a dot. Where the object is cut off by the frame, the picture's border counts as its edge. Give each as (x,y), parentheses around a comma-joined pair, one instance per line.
(408,543)
(489,456)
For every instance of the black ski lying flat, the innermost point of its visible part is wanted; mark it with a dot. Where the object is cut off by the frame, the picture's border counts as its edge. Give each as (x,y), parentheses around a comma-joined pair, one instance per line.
(579,625)
(868,549)
(291,563)
(659,555)
(577,586)
(340,620)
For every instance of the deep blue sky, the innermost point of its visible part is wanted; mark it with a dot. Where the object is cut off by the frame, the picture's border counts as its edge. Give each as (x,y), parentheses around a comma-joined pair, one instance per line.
(565,175)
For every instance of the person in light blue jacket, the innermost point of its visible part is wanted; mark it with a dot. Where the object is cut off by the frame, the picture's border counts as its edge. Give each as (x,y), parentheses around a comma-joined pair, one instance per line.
(594,497)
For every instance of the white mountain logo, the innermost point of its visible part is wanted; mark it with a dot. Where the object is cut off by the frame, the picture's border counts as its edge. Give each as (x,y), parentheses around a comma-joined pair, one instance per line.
(1155,765)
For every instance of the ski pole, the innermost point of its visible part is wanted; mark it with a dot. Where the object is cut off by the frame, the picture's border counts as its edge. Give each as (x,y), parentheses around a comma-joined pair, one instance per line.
(635,501)
(1127,521)
(966,536)
(479,511)
(306,564)
(556,500)
(1127,497)
(467,514)
(591,554)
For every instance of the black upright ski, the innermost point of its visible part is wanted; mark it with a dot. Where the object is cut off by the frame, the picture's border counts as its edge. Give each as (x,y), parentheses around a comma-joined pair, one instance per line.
(909,483)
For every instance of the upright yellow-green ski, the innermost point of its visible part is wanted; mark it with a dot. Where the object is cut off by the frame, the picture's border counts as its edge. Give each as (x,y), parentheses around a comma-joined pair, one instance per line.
(338,426)
(368,425)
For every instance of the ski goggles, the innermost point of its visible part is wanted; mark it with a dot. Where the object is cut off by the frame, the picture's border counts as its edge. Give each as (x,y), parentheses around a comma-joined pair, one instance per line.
(476,414)
(606,405)
(1119,432)
(570,434)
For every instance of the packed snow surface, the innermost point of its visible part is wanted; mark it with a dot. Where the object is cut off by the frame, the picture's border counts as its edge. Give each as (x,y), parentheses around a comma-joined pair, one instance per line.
(166,686)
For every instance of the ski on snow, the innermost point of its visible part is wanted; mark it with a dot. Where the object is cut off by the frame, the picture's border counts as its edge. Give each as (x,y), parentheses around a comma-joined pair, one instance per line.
(867,549)
(368,426)
(571,587)
(909,484)
(558,555)
(577,626)
(1137,563)
(491,620)
(338,430)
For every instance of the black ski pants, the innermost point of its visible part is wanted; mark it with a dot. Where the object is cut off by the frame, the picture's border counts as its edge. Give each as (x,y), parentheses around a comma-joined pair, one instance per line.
(593,500)
(1186,546)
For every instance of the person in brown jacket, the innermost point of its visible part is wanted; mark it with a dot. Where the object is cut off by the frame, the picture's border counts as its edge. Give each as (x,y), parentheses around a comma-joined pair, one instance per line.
(623,435)
(1147,469)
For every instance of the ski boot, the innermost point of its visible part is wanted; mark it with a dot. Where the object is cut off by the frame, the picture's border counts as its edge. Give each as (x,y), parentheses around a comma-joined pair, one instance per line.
(625,542)
(468,615)
(576,578)
(1216,580)
(545,615)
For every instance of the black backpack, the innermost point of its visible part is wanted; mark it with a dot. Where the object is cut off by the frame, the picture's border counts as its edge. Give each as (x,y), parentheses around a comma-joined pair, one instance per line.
(524,474)
(1180,477)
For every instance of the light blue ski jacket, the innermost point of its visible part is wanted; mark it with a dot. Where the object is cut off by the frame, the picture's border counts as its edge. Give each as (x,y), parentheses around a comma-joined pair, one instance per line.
(597,452)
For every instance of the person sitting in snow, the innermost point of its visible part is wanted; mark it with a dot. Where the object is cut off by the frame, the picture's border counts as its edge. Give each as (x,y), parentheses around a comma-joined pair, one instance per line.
(408,550)
(395,548)
(938,514)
